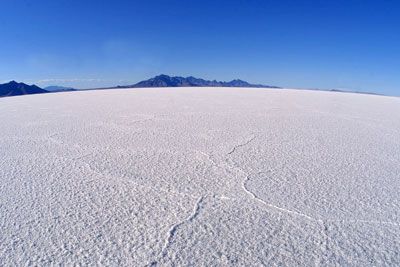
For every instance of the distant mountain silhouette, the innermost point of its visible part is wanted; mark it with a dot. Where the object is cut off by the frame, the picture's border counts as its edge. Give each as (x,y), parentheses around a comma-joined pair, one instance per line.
(176,81)
(13,88)
(55,88)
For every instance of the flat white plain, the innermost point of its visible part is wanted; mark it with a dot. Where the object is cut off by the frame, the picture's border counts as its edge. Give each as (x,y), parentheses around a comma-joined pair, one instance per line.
(200,176)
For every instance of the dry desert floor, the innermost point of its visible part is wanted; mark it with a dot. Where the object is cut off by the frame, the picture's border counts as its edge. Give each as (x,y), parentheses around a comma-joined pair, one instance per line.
(200,177)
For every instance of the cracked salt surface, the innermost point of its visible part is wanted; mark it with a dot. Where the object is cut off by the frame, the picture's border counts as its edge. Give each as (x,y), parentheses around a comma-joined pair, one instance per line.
(175,227)
(224,176)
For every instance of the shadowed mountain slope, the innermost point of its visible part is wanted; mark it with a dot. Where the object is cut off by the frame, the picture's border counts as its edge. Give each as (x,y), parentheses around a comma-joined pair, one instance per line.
(13,88)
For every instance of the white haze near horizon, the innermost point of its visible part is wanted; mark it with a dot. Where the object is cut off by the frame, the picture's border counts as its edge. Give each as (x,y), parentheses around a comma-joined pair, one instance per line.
(200,176)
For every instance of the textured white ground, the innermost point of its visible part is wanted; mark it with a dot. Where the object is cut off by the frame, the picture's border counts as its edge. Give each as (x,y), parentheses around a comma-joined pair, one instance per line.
(200,177)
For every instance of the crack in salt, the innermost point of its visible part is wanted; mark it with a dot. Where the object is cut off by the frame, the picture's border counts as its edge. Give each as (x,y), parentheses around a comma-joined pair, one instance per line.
(254,196)
(244,187)
(241,145)
(175,227)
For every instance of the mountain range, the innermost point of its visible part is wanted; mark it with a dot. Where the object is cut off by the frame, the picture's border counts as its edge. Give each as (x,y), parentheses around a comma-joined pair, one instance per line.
(14,88)
(177,81)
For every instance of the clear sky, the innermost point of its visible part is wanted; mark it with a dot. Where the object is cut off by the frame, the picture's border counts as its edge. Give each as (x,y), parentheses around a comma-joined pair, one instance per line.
(343,44)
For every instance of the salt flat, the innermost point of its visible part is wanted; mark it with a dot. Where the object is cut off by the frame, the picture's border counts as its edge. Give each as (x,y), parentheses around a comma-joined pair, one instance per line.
(200,177)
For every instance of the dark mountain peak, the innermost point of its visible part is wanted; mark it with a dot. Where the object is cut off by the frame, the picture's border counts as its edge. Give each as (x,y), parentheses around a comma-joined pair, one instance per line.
(239,83)
(14,88)
(162,76)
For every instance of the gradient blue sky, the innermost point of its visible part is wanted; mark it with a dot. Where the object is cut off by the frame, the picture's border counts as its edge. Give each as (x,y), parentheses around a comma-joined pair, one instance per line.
(341,44)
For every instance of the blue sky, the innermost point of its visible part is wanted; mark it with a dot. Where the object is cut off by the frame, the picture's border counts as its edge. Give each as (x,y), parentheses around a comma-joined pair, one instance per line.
(349,44)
